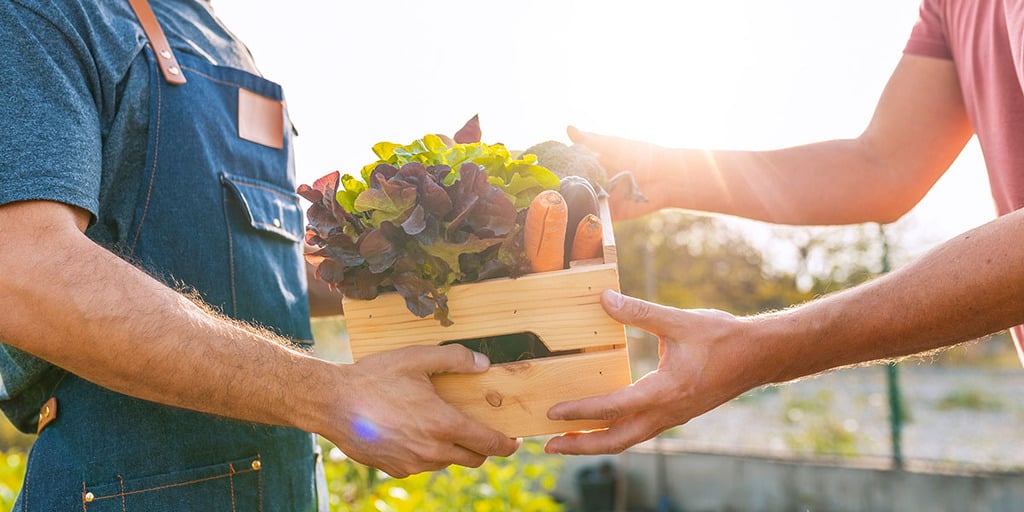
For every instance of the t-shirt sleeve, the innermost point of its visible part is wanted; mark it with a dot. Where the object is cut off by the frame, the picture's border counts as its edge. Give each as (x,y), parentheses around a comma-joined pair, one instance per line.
(928,38)
(51,147)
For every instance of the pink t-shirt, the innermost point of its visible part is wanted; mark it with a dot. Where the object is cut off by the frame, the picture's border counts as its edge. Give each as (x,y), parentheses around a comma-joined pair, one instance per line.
(985,39)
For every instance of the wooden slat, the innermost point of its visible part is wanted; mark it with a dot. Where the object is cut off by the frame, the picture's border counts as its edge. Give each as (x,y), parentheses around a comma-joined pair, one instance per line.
(607,233)
(562,308)
(514,398)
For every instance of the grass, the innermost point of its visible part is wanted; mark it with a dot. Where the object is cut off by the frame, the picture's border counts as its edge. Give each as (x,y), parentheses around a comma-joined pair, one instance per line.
(970,399)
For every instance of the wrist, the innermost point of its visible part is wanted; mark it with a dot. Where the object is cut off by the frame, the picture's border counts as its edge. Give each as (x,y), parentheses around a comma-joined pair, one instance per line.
(788,340)
(752,347)
(315,405)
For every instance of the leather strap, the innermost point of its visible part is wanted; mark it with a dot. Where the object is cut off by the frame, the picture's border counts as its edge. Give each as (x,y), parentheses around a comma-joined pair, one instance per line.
(164,56)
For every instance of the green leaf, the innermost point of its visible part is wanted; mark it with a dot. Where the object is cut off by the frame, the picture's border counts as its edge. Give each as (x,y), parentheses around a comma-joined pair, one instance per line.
(384,207)
(450,252)
(385,150)
(352,187)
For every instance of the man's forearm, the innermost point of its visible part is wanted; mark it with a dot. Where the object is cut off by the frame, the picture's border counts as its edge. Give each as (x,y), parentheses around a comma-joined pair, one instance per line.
(919,127)
(970,286)
(833,182)
(82,308)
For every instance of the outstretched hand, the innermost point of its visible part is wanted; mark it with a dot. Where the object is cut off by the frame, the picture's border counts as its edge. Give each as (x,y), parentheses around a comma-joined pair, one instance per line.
(698,370)
(392,418)
(639,158)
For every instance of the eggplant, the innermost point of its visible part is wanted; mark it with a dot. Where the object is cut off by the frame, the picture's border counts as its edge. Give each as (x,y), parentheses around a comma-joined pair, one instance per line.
(581,199)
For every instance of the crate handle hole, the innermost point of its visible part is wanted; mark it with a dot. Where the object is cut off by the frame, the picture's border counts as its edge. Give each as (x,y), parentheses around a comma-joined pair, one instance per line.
(511,348)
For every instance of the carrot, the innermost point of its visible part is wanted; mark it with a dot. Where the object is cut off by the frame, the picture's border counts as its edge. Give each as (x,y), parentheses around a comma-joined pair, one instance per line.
(544,231)
(581,200)
(587,242)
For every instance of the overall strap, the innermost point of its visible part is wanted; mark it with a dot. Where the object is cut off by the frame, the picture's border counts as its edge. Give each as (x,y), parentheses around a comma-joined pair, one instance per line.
(165,57)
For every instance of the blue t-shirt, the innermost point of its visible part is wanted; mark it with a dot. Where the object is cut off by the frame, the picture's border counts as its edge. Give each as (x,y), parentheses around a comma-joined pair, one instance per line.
(74,110)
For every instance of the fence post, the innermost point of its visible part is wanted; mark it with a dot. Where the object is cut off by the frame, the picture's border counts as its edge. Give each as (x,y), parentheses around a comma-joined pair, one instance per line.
(892,377)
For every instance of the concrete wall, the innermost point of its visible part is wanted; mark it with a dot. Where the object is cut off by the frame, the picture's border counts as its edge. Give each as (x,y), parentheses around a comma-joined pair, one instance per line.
(706,482)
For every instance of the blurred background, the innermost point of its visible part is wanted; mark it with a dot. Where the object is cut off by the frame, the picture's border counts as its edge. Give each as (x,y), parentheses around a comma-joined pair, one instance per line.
(743,74)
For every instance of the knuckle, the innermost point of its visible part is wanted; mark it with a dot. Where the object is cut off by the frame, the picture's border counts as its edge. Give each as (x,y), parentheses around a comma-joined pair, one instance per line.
(643,310)
(610,413)
(495,445)
(618,447)
(433,456)
(460,353)
(475,462)
(438,430)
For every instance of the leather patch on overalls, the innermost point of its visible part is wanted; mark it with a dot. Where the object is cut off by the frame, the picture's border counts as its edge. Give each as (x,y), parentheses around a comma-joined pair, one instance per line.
(260,119)
(47,413)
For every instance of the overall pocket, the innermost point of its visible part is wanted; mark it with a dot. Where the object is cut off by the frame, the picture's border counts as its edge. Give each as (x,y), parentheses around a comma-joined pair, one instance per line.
(233,485)
(267,270)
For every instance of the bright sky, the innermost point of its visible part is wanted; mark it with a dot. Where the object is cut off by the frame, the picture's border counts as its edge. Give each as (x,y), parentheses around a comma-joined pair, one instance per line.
(741,74)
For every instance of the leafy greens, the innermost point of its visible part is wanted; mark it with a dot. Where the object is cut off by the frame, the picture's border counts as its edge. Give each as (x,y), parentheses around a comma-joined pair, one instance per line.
(424,217)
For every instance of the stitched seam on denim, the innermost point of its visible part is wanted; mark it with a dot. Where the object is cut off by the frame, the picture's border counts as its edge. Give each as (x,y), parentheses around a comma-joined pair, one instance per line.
(152,175)
(231,251)
(124,507)
(168,486)
(24,485)
(221,81)
(275,229)
(232,486)
(246,183)
(85,506)
(259,487)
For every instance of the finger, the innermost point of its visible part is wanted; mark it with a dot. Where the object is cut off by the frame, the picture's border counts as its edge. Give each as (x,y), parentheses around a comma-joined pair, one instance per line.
(617,404)
(594,139)
(436,460)
(449,359)
(462,456)
(576,135)
(616,439)
(476,459)
(473,435)
(651,317)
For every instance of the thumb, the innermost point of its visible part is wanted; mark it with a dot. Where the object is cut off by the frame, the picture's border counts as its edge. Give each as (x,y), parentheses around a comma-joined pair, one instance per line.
(576,135)
(651,317)
(449,359)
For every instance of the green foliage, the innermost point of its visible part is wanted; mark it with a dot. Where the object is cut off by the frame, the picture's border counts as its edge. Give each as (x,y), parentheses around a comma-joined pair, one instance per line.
(12,472)
(818,403)
(970,399)
(691,261)
(522,482)
(425,216)
(825,436)
(819,431)
(520,178)
(995,352)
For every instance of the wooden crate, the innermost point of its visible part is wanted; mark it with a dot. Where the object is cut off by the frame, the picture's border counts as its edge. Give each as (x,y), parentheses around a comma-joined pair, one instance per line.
(562,308)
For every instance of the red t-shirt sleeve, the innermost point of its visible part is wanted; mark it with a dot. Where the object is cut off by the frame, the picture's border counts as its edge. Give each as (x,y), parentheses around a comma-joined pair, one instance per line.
(928,38)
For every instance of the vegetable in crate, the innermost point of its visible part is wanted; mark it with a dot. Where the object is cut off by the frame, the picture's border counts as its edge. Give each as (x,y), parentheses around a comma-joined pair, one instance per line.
(586,243)
(424,217)
(577,160)
(581,199)
(545,230)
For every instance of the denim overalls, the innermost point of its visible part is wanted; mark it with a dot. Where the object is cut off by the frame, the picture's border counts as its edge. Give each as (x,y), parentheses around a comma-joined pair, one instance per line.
(217,214)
